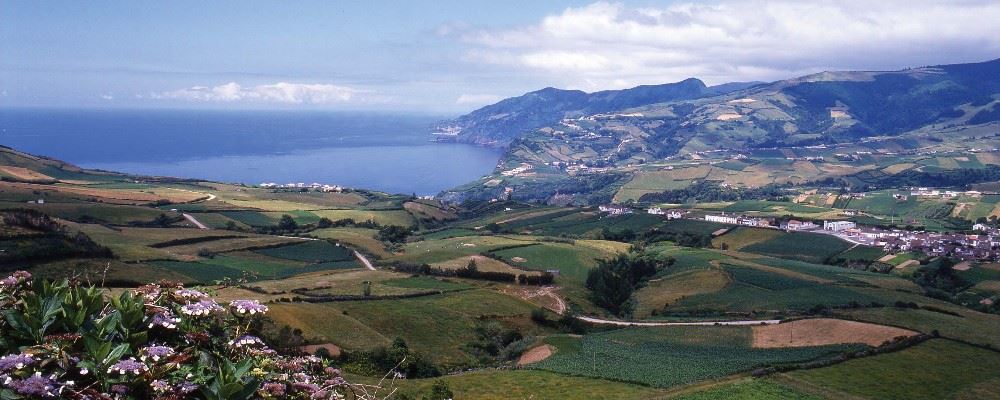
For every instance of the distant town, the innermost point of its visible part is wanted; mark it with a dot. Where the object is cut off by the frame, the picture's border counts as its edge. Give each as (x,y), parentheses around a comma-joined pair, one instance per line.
(982,244)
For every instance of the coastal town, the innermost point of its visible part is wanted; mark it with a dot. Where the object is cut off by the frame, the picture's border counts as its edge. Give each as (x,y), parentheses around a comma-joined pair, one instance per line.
(981,244)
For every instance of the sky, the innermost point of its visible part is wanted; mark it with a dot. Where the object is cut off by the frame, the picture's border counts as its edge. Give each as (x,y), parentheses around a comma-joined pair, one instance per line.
(450,56)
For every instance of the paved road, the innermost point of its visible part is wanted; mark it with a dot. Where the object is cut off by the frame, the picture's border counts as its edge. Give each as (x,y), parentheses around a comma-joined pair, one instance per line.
(710,323)
(191,219)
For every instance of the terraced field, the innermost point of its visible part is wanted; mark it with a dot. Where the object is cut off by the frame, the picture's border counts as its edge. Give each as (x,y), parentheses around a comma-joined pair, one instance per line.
(665,357)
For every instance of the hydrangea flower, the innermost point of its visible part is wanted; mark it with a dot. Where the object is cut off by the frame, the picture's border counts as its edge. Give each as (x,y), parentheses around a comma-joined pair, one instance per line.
(156,353)
(159,386)
(203,307)
(15,362)
(190,294)
(164,319)
(244,307)
(35,385)
(148,292)
(15,279)
(129,366)
(246,341)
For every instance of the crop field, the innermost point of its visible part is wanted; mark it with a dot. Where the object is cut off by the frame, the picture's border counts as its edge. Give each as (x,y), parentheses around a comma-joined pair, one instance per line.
(431,325)
(824,331)
(527,384)
(742,236)
(361,238)
(485,264)
(585,224)
(423,209)
(222,267)
(755,290)
(655,182)
(251,218)
(380,283)
(748,389)
(811,247)
(670,356)
(692,226)
(936,369)
(968,325)
(433,251)
(107,213)
(663,291)
(381,217)
(313,251)
(572,261)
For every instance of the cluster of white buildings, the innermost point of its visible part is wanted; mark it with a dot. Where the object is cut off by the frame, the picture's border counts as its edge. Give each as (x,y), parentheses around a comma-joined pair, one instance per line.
(925,192)
(615,209)
(740,220)
(314,186)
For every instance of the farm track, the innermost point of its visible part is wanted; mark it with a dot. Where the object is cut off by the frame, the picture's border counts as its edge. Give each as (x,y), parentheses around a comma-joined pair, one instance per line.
(364,260)
(194,221)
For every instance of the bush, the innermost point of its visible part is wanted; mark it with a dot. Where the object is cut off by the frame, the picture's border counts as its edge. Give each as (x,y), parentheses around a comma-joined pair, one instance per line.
(157,341)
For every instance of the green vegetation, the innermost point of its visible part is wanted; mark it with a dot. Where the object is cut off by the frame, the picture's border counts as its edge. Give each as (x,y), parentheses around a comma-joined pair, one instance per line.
(811,247)
(937,369)
(665,357)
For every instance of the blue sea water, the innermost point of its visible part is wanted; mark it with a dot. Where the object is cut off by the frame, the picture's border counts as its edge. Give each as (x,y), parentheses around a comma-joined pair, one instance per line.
(384,152)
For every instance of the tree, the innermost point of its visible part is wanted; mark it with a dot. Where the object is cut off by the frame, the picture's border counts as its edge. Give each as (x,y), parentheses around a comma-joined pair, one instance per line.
(614,280)
(287,223)
(324,223)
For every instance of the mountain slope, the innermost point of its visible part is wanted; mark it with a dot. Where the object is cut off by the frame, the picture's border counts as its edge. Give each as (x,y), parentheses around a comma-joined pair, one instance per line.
(621,132)
(500,123)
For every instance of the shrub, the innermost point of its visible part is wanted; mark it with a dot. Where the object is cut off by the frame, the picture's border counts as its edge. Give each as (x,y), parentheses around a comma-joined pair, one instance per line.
(157,341)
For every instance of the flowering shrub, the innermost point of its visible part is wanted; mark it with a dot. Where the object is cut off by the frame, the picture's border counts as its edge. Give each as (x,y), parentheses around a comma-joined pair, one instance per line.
(63,340)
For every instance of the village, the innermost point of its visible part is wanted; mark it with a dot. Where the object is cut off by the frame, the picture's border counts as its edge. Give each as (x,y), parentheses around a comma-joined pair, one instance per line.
(983,244)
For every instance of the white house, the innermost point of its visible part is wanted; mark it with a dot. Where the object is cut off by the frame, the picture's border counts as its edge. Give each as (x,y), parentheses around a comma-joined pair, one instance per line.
(656,211)
(980,227)
(838,226)
(615,209)
(725,219)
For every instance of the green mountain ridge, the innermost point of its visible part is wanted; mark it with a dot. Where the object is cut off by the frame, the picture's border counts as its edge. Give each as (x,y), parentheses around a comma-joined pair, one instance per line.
(824,109)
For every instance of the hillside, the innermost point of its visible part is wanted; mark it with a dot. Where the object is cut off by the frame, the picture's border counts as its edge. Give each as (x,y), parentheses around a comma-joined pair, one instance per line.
(915,111)
(500,123)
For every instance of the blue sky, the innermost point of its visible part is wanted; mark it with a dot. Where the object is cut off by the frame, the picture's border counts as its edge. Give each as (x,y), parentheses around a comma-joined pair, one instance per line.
(449,56)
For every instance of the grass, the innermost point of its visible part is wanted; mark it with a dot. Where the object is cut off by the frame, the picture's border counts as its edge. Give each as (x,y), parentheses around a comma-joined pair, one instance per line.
(572,261)
(527,384)
(742,236)
(748,389)
(425,282)
(666,290)
(937,369)
(671,356)
(970,326)
(434,251)
(437,326)
(811,247)
(361,238)
(381,217)
(314,251)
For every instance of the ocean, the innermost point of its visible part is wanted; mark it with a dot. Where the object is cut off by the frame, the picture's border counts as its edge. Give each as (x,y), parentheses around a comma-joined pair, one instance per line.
(386,152)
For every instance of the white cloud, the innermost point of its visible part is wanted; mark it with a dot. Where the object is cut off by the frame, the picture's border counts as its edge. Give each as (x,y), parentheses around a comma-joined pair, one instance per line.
(107,96)
(606,45)
(281,92)
(477,99)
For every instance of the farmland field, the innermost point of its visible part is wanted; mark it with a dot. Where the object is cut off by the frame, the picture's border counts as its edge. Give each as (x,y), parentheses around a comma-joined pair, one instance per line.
(664,357)
(811,247)
(937,369)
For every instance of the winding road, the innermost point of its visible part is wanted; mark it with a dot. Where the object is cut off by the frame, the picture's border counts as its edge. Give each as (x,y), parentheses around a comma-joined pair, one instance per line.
(700,323)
